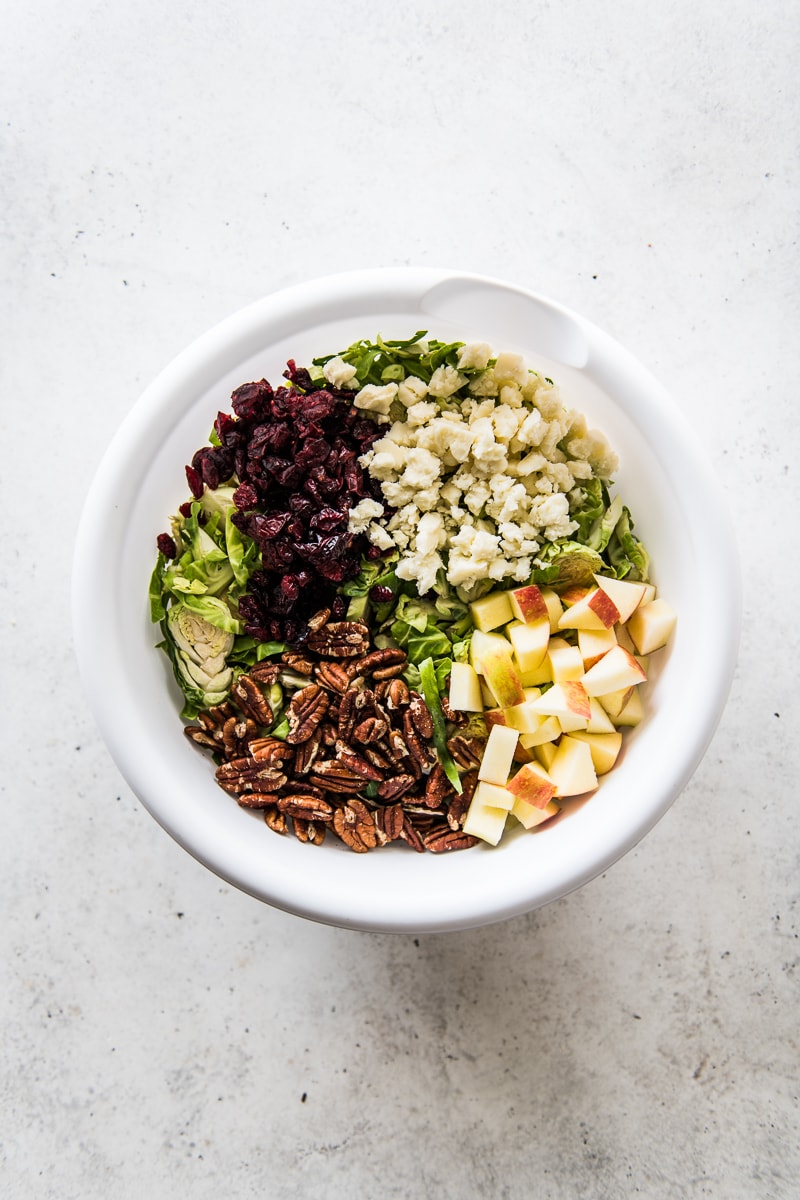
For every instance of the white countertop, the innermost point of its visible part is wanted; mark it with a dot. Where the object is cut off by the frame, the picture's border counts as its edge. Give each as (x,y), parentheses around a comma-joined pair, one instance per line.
(166,1036)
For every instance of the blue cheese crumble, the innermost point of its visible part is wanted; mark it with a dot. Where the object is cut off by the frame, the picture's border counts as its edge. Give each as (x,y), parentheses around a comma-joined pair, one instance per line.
(476,471)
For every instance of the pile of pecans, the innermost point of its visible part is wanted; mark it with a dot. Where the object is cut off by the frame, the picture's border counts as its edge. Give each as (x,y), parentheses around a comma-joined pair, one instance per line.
(357,759)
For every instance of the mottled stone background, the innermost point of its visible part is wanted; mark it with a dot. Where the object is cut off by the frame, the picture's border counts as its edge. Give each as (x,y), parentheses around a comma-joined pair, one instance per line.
(162,165)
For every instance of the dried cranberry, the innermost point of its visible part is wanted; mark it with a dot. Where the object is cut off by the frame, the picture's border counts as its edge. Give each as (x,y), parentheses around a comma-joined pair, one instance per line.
(195,481)
(245,496)
(251,399)
(166,545)
(380,594)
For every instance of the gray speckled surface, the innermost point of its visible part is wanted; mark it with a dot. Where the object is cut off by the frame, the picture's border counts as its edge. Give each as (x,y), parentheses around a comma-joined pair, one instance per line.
(163,1035)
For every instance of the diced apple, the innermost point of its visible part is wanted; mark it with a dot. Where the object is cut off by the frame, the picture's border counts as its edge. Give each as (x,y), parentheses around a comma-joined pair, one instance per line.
(530,642)
(528,604)
(594,643)
(615,702)
(498,755)
(571,595)
(651,625)
(491,611)
(521,755)
(532,783)
(530,816)
(633,711)
(604,747)
(482,644)
(623,593)
(545,753)
(495,716)
(624,638)
(487,696)
(568,701)
(565,660)
(572,769)
(615,670)
(523,717)
(548,731)
(485,822)
(465,688)
(492,795)
(599,721)
(649,593)
(491,655)
(542,674)
(595,610)
(554,607)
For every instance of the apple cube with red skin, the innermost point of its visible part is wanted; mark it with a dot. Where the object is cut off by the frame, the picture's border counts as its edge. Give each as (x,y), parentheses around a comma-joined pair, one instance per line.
(498,755)
(528,604)
(568,701)
(615,670)
(492,656)
(594,643)
(532,783)
(633,712)
(625,594)
(595,610)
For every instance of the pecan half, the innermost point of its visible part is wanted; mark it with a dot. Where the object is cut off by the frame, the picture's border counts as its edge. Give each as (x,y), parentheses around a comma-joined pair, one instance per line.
(460,802)
(354,824)
(265,672)
(309,831)
(467,752)
(339,639)
(270,749)
(376,660)
(258,800)
(420,715)
(246,775)
(318,619)
(409,834)
(336,777)
(397,694)
(307,753)
(275,819)
(307,807)
(298,662)
(305,711)
(419,751)
(437,786)
(392,789)
(333,675)
(389,821)
(354,762)
(251,700)
(371,729)
(441,839)
(201,737)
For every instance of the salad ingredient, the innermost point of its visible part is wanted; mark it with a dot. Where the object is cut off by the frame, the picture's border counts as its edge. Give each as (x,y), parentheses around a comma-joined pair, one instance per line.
(293,455)
(351,752)
(482,470)
(576,700)
(199,653)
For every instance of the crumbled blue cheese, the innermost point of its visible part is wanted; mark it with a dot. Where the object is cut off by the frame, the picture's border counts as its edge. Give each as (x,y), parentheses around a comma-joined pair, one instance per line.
(479,473)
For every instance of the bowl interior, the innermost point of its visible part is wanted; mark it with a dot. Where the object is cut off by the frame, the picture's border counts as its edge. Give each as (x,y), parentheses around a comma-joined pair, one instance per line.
(662,477)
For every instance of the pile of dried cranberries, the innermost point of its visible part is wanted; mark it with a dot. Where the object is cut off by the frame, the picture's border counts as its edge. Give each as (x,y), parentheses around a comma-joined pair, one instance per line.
(294,451)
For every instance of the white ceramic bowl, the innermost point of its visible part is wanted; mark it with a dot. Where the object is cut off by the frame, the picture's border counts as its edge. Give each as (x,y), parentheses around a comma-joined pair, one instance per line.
(662,477)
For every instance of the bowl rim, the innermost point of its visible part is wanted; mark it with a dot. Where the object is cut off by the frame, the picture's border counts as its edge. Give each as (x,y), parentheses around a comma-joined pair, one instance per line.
(447,295)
